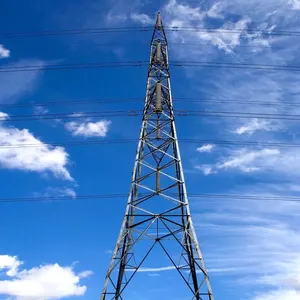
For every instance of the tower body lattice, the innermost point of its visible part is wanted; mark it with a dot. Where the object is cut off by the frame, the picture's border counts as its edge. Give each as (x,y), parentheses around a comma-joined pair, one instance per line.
(157,213)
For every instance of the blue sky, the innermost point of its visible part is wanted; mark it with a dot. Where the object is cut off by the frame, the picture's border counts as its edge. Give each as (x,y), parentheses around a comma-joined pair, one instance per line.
(251,248)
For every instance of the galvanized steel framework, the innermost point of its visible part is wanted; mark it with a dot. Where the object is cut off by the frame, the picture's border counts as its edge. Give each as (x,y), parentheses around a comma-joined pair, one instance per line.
(157,210)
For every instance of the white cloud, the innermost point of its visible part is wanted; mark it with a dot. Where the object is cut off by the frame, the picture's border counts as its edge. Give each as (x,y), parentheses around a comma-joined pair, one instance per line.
(3,116)
(13,85)
(295,4)
(88,129)
(9,263)
(41,159)
(206,148)
(142,18)
(44,282)
(259,10)
(284,162)
(184,15)
(224,40)
(248,160)
(4,53)
(256,125)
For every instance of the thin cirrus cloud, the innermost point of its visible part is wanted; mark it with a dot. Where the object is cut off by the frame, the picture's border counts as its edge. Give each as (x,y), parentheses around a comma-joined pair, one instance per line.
(60,192)
(88,129)
(15,154)
(50,281)
(261,245)
(14,85)
(141,18)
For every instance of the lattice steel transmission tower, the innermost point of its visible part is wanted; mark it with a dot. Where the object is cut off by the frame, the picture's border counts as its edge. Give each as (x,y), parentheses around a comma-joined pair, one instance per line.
(157,213)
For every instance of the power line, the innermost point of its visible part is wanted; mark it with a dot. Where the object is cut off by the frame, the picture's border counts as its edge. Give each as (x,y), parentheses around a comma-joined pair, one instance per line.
(136,113)
(236,30)
(234,47)
(185,44)
(204,64)
(73,66)
(83,31)
(75,102)
(282,198)
(69,143)
(102,30)
(241,115)
(139,100)
(230,65)
(135,140)
(68,116)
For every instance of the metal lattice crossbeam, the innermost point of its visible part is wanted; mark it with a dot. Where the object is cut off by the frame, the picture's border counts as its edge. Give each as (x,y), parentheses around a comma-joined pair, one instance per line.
(157,210)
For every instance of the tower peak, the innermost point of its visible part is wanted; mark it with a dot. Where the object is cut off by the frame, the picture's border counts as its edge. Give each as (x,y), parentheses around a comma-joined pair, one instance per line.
(158,20)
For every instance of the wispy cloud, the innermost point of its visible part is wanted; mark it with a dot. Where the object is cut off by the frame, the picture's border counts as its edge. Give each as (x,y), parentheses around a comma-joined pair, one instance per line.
(216,11)
(141,18)
(273,162)
(248,160)
(14,85)
(116,18)
(40,110)
(4,53)
(256,125)
(261,248)
(88,129)
(60,192)
(206,148)
(20,283)
(120,11)
(206,169)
